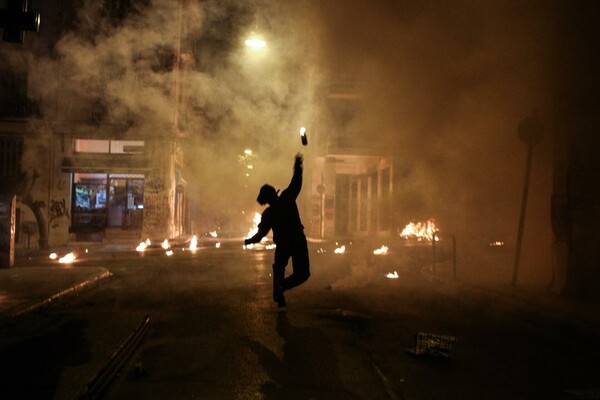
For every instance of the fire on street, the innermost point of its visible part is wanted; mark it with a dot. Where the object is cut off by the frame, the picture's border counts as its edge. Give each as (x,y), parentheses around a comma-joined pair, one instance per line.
(215,333)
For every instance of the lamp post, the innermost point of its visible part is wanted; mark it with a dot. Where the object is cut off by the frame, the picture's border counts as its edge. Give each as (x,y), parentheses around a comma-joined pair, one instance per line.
(531,132)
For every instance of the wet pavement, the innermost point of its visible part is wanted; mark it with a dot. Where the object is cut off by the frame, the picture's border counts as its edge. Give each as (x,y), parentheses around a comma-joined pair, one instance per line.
(36,283)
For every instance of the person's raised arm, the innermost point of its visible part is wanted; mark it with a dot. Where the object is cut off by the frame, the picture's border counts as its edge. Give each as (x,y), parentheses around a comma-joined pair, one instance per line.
(296,183)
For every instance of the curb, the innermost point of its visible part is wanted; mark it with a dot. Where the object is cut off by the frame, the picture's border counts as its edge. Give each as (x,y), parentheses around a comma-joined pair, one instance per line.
(58,296)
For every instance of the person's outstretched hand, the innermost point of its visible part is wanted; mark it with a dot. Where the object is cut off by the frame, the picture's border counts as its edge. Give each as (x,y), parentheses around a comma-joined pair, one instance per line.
(298,160)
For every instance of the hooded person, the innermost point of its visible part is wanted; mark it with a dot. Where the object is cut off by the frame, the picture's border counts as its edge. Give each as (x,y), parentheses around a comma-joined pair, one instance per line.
(283,217)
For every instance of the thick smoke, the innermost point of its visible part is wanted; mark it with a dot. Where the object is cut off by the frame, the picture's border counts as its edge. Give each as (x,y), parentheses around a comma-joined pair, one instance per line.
(441,86)
(119,63)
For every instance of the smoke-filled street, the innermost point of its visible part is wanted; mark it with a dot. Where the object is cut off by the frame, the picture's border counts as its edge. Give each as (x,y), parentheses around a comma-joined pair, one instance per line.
(214,332)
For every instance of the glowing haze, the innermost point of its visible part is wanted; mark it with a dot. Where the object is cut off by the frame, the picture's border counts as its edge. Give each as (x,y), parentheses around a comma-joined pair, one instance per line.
(440,85)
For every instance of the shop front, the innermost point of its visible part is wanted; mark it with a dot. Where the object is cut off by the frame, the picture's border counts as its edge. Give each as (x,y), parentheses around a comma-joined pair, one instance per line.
(102,201)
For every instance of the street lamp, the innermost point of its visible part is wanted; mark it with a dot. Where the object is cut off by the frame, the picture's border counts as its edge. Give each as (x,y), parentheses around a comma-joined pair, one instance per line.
(255,42)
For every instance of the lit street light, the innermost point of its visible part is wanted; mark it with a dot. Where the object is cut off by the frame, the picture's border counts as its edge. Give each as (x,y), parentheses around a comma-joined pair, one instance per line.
(255,42)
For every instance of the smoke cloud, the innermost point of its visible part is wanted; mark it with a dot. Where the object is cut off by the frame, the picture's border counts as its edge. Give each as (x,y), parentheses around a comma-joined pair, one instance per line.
(441,86)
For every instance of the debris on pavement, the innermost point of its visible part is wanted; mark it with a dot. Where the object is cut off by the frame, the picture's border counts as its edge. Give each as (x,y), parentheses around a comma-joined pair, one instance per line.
(432,344)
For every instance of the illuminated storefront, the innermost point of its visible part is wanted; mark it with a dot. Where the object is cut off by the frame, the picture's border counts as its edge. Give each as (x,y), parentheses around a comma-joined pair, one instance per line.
(103,200)
(107,187)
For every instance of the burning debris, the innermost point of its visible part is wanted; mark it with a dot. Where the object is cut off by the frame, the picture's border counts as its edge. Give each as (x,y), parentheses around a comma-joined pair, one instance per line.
(165,244)
(420,231)
(194,243)
(67,259)
(381,251)
(393,275)
(340,250)
(53,256)
(169,253)
(143,245)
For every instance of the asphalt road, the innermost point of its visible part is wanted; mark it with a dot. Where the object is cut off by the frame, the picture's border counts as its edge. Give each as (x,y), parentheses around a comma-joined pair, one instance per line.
(215,333)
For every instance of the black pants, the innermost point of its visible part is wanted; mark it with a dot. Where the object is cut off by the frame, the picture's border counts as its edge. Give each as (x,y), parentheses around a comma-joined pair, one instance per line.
(297,249)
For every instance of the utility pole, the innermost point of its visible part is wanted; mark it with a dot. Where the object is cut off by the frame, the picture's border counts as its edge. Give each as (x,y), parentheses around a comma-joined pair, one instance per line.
(531,132)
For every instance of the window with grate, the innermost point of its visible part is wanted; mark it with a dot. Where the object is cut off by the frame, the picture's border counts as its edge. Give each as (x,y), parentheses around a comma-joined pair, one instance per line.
(11,150)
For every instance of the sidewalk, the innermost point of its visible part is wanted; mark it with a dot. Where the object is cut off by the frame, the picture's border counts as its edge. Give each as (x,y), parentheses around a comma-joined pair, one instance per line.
(25,289)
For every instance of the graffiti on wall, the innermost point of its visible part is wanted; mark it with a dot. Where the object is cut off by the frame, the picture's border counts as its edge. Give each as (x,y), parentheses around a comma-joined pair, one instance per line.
(156,211)
(57,209)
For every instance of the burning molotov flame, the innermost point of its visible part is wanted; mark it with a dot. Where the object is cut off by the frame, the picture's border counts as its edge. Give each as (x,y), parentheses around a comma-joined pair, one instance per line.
(67,259)
(340,250)
(393,275)
(380,251)
(420,230)
(194,243)
(143,245)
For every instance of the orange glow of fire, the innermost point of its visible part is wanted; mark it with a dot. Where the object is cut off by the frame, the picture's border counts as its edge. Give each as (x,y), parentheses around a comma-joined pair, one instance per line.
(67,259)
(340,250)
(393,275)
(497,243)
(165,244)
(169,253)
(255,222)
(380,251)
(218,245)
(420,230)
(213,234)
(53,256)
(194,243)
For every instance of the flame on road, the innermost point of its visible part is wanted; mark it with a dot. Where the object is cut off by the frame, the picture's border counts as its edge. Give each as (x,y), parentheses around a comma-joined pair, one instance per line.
(165,244)
(213,234)
(53,256)
(218,245)
(194,243)
(169,253)
(420,230)
(67,259)
(380,251)
(143,245)
(340,250)
(393,275)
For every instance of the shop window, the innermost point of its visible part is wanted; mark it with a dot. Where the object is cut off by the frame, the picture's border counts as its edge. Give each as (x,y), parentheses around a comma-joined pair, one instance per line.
(90,191)
(100,200)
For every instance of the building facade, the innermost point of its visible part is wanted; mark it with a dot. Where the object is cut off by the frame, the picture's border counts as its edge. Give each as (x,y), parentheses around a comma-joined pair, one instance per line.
(80,173)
